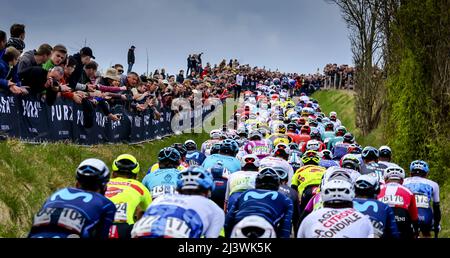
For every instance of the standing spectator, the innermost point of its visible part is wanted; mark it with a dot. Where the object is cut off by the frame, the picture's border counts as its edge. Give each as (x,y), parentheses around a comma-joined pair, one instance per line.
(189,65)
(120,71)
(8,71)
(238,85)
(34,57)
(17,37)
(58,55)
(83,58)
(131,58)
(3,40)
(180,77)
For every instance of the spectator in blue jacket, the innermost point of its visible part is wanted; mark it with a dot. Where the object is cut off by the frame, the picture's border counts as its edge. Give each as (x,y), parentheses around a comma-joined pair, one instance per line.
(9,79)
(3,39)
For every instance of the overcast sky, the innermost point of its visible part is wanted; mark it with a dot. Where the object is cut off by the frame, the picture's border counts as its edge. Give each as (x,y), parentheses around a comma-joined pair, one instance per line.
(291,35)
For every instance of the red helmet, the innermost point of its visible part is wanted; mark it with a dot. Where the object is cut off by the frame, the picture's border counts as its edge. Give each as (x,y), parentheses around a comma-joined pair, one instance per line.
(305,130)
(301,121)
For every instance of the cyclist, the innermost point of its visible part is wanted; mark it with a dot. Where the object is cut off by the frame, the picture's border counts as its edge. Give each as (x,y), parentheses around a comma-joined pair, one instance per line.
(327,159)
(292,133)
(130,196)
(341,148)
(189,214)
(243,180)
(334,119)
(425,192)
(227,154)
(381,215)
(193,156)
(220,178)
(401,200)
(307,178)
(164,179)
(338,137)
(279,132)
(370,157)
(266,202)
(183,152)
(257,145)
(80,212)
(385,156)
(216,137)
(338,218)
(351,161)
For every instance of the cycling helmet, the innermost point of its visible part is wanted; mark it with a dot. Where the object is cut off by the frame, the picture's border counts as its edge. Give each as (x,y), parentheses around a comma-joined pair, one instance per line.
(218,170)
(230,147)
(354,149)
(333,116)
(305,129)
(126,163)
(292,127)
(215,134)
(252,116)
(289,105)
(215,148)
(250,160)
(367,185)
(195,178)
(293,146)
(336,173)
(370,153)
(326,154)
(242,131)
(313,122)
(419,165)
(310,157)
(301,121)
(313,145)
(255,136)
(385,151)
(180,148)
(394,173)
(281,128)
(351,161)
(281,151)
(169,154)
(268,179)
(253,227)
(93,173)
(348,138)
(329,127)
(315,134)
(190,145)
(340,131)
(336,191)
(281,141)
(282,173)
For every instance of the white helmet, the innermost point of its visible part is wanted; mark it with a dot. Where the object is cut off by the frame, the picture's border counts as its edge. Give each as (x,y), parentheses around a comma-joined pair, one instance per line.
(313,145)
(394,173)
(337,191)
(252,116)
(336,173)
(216,134)
(333,114)
(253,227)
(250,158)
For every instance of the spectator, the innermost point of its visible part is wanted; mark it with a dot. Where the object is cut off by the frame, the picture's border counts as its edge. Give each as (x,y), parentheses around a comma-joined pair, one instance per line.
(58,55)
(238,86)
(120,71)
(82,58)
(131,58)
(34,57)
(17,37)
(180,77)
(3,40)
(189,64)
(9,79)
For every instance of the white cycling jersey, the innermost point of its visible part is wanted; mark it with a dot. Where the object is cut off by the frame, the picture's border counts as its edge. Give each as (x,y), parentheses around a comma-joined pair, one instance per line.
(336,223)
(275,162)
(240,181)
(424,190)
(190,212)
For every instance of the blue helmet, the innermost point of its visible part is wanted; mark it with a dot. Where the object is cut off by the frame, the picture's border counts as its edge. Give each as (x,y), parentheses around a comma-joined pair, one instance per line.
(229,146)
(169,154)
(218,170)
(419,165)
(195,178)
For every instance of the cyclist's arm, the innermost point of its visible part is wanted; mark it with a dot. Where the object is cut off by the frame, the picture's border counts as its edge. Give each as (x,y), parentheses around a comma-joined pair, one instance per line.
(391,229)
(230,219)
(413,213)
(105,222)
(217,222)
(437,217)
(285,226)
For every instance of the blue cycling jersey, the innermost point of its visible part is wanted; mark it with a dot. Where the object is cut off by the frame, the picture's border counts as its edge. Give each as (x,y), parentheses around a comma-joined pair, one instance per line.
(328,163)
(232,164)
(159,178)
(195,158)
(275,207)
(72,212)
(381,216)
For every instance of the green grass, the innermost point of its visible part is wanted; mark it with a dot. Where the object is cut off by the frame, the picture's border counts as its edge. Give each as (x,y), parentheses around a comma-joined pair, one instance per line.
(342,102)
(31,173)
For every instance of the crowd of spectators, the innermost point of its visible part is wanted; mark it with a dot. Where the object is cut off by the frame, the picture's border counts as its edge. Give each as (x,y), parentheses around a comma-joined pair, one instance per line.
(51,71)
(339,76)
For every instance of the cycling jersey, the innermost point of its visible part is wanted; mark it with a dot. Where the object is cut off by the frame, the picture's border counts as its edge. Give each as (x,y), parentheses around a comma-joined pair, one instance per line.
(275,207)
(294,137)
(275,162)
(261,148)
(72,212)
(333,141)
(381,216)
(425,191)
(292,194)
(328,163)
(339,150)
(232,164)
(305,176)
(127,195)
(374,168)
(180,216)
(403,203)
(336,223)
(195,158)
(162,181)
